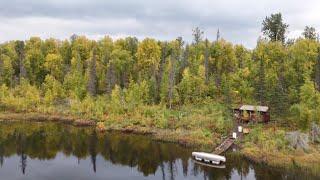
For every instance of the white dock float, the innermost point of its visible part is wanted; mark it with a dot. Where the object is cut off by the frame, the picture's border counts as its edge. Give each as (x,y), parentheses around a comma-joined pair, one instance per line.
(220,166)
(209,158)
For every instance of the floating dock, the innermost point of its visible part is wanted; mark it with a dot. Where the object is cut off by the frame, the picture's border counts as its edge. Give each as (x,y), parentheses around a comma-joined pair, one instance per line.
(210,165)
(215,157)
(208,158)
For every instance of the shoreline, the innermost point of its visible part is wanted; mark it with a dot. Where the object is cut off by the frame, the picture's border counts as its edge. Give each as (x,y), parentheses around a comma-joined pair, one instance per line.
(301,160)
(181,137)
(39,117)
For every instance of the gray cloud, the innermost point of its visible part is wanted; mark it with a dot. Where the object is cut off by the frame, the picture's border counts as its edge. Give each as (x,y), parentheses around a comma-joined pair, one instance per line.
(239,21)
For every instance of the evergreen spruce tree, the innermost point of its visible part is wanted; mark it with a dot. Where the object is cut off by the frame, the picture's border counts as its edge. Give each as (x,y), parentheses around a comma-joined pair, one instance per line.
(206,61)
(92,84)
(1,67)
(261,83)
(20,50)
(317,71)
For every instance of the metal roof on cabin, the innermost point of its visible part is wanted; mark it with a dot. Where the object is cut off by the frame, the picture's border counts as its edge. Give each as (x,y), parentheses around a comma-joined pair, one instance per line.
(254,108)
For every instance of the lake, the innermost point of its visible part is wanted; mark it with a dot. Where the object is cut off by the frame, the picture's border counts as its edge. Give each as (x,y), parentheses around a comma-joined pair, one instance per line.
(57,151)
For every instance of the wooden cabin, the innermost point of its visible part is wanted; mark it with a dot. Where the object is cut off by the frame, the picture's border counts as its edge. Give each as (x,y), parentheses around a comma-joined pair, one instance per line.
(250,113)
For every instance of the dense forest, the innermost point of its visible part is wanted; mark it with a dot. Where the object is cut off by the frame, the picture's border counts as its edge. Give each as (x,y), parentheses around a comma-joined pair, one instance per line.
(98,78)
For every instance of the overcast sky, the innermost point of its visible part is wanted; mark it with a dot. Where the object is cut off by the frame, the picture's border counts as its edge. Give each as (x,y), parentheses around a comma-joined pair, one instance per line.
(239,21)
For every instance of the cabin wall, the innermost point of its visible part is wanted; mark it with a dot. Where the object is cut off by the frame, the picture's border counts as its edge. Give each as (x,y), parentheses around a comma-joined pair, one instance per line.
(252,116)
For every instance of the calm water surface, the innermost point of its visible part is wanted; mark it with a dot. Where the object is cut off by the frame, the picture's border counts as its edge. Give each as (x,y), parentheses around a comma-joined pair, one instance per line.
(55,151)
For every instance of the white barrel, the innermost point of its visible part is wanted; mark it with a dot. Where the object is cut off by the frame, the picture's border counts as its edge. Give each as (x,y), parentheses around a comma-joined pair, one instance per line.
(234,135)
(240,129)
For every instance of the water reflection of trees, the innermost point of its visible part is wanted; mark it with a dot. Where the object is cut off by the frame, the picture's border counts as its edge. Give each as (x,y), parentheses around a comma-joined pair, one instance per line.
(44,141)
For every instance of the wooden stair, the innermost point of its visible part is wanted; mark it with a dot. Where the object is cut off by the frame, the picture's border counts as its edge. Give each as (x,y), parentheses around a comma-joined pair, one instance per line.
(224,146)
(228,142)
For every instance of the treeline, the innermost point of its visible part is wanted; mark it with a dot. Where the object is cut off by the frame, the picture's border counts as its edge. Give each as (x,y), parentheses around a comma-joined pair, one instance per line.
(281,73)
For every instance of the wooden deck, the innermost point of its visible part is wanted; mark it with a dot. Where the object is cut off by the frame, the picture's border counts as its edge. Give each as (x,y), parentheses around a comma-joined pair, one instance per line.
(229,141)
(226,144)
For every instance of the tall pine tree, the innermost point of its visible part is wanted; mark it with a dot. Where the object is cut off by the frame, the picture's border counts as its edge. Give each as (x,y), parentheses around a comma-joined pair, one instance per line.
(20,50)
(92,81)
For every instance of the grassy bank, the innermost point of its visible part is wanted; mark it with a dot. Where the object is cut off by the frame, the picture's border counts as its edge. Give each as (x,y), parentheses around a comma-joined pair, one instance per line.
(38,117)
(268,145)
(194,138)
(197,126)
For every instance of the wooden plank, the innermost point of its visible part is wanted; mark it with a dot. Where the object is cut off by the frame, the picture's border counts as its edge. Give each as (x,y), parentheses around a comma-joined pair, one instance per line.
(224,146)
